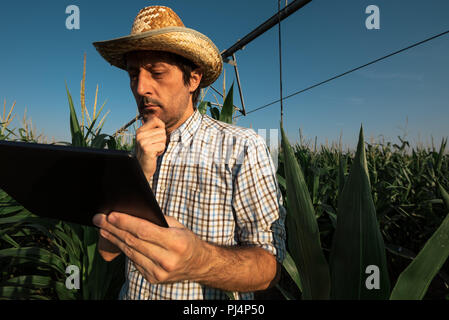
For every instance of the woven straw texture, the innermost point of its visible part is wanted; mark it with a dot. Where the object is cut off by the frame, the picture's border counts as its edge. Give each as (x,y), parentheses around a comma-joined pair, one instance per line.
(159,28)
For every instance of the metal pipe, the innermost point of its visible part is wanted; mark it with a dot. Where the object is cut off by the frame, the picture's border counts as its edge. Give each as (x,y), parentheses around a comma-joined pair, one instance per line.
(240,87)
(279,16)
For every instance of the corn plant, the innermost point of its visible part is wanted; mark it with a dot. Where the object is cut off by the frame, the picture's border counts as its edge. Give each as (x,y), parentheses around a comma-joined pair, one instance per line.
(84,134)
(303,236)
(36,251)
(39,252)
(27,133)
(357,241)
(415,279)
(5,121)
(226,112)
(95,271)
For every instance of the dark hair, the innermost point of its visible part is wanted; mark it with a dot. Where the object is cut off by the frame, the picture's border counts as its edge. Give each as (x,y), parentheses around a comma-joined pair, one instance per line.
(186,66)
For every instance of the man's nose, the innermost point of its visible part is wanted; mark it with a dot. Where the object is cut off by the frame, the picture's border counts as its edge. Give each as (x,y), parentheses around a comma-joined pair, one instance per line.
(144,83)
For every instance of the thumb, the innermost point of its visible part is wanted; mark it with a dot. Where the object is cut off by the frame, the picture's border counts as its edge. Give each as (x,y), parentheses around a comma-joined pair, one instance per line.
(173,223)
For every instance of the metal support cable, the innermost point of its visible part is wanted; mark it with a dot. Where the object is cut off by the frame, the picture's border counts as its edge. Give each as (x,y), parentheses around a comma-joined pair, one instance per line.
(347,72)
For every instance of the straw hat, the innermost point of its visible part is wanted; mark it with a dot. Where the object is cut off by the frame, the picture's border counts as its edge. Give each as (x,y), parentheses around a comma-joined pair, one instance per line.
(159,28)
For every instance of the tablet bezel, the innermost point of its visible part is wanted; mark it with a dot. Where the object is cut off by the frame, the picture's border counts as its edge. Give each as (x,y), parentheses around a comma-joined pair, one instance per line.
(110,169)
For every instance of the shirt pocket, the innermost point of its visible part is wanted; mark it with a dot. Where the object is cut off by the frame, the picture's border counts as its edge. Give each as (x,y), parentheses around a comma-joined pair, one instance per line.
(207,212)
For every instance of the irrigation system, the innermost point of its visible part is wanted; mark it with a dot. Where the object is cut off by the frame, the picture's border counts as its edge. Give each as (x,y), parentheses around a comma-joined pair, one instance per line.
(241,43)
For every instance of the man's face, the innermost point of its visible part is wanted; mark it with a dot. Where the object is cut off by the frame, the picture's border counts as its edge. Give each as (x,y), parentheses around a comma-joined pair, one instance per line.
(158,87)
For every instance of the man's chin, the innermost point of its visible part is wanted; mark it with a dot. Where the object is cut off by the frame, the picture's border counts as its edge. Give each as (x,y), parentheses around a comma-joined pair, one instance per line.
(150,112)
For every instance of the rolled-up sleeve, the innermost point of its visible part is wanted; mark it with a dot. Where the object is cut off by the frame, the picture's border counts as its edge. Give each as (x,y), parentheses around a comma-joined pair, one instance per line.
(257,201)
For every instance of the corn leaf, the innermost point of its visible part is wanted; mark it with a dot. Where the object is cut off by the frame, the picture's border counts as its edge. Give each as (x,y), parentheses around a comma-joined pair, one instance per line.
(341,173)
(33,281)
(64,293)
(99,141)
(9,209)
(303,234)
(68,244)
(202,108)
(215,113)
(9,240)
(414,281)
(90,239)
(17,292)
(357,241)
(439,159)
(112,144)
(291,269)
(75,130)
(89,130)
(315,185)
(34,255)
(285,293)
(281,181)
(228,107)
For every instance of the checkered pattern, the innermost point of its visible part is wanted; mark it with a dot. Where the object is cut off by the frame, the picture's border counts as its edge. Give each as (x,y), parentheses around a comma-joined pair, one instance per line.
(219,181)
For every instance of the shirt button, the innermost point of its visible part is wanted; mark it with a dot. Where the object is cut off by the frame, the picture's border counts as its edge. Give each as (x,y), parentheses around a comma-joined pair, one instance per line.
(161,189)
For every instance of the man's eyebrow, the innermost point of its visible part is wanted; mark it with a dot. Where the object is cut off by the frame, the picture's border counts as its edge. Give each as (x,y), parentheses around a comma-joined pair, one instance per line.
(147,66)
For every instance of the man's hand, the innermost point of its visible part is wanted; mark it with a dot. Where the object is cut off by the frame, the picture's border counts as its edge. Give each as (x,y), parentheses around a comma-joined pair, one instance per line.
(161,255)
(151,140)
(166,255)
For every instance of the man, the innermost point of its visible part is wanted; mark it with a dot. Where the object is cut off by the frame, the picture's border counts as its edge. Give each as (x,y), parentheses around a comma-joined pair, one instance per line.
(215,182)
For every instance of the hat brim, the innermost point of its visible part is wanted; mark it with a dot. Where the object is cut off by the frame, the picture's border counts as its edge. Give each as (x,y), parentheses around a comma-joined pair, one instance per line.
(185,42)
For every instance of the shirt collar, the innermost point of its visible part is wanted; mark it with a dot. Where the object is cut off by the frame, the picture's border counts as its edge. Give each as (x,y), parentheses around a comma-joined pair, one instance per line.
(185,131)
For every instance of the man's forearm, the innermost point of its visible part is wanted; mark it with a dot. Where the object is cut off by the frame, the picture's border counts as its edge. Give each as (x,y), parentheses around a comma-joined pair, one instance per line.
(242,269)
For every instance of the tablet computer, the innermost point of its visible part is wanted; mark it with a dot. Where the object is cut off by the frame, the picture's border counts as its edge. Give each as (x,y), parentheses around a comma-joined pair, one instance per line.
(75,183)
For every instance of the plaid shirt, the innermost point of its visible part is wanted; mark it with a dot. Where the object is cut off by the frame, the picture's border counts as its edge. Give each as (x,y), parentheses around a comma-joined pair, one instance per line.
(219,181)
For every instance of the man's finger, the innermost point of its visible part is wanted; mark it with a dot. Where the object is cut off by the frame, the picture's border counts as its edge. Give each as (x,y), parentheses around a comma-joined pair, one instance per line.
(146,266)
(100,220)
(125,241)
(140,228)
(160,133)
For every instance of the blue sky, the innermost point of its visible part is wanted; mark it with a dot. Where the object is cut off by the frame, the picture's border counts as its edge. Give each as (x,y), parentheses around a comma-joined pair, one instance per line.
(408,91)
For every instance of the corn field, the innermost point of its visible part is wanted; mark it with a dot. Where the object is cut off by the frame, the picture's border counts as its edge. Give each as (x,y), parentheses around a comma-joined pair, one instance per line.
(384,205)
(407,188)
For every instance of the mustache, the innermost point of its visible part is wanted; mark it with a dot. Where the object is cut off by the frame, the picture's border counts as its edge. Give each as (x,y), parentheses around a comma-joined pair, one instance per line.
(148,100)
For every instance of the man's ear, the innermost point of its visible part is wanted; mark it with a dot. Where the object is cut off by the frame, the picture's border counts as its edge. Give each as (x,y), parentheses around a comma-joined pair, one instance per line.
(195,79)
